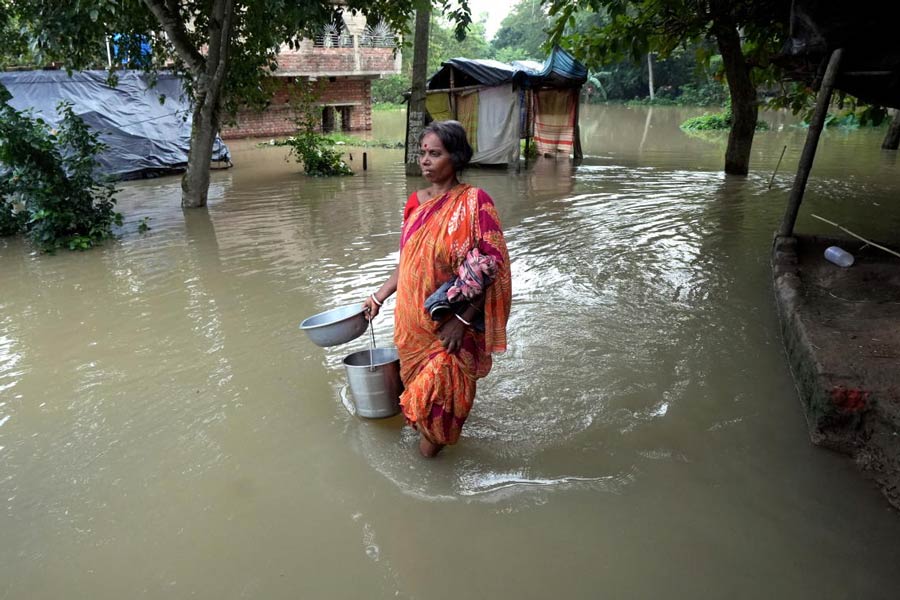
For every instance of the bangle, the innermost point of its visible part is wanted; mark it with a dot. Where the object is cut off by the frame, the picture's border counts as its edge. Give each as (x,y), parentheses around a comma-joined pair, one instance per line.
(461,320)
(375,300)
(475,308)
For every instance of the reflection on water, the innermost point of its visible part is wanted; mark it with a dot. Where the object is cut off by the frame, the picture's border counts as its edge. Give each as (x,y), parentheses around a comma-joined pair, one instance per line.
(167,431)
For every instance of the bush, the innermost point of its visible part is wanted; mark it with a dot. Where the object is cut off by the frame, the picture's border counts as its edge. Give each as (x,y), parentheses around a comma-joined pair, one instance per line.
(390,89)
(708,122)
(716,121)
(309,147)
(60,201)
(317,154)
(11,221)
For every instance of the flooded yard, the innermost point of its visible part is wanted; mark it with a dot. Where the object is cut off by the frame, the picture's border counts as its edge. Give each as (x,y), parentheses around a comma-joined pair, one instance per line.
(166,431)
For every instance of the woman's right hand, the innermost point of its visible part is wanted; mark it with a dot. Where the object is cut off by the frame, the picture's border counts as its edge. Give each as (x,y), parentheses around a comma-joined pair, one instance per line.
(372,308)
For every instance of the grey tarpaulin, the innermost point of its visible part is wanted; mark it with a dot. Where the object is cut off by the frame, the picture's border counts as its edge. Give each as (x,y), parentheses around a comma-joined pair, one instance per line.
(144,136)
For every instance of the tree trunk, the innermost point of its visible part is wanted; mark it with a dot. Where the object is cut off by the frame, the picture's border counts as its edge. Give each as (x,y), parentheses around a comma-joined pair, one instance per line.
(892,139)
(208,74)
(204,126)
(743,93)
(415,116)
(650,75)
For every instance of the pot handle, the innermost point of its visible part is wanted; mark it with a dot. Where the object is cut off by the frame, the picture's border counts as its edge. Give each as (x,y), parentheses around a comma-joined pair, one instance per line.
(372,347)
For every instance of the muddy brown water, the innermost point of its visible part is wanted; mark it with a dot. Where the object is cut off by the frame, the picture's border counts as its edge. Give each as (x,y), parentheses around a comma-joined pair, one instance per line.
(167,432)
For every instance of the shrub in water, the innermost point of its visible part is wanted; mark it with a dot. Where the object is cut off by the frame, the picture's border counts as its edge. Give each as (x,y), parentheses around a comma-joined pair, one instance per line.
(716,121)
(312,149)
(317,154)
(50,175)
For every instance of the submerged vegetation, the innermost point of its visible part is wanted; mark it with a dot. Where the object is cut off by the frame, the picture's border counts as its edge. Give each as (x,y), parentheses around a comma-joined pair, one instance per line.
(317,155)
(720,121)
(308,146)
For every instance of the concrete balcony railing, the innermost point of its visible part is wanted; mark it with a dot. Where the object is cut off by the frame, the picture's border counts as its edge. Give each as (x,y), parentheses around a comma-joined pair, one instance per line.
(312,60)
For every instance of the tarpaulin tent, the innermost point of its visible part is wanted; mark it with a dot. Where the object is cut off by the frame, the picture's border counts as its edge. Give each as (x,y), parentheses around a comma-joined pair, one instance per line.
(500,103)
(147,129)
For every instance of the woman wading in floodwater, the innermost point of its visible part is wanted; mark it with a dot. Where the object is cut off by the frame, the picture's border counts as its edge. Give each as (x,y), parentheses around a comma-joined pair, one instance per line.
(453,291)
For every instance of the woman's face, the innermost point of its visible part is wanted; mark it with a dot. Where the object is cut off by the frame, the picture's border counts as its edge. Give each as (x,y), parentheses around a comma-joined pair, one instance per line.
(435,160)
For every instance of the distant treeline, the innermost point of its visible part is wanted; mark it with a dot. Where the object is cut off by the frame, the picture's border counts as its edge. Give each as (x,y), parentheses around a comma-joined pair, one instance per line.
(682,78)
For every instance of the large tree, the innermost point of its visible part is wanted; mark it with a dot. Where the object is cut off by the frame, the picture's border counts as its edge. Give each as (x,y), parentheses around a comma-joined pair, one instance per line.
(523,32)
(746,33)
(222,48)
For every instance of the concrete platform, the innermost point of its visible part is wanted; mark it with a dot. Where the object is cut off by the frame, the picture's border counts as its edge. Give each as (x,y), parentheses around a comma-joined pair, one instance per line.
(841,330)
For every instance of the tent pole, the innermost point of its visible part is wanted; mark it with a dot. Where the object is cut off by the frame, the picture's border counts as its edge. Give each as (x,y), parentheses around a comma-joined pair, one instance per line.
(579,153)
(812,141)
(529,121)
(453,103)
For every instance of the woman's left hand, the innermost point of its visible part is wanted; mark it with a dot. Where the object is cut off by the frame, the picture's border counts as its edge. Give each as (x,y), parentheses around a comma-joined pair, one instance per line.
(451,334)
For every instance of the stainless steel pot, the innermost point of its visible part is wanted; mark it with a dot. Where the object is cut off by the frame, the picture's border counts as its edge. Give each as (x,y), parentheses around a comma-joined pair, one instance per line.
(374,379)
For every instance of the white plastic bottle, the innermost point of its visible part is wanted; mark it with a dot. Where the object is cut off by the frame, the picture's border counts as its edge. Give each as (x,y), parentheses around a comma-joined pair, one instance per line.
(838,256)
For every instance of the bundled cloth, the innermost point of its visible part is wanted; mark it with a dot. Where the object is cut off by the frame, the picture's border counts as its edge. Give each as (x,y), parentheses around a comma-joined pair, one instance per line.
(473,276)
(475,273)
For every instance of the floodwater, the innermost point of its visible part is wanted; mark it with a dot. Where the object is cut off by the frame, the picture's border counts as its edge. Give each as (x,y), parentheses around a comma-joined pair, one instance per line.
(167,432)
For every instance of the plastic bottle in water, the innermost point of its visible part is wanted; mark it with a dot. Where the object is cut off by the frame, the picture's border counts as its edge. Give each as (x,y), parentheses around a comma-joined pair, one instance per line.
(838,256)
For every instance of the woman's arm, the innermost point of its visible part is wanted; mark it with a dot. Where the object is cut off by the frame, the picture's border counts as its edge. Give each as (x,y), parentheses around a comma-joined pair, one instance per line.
(373,302)
(453,329)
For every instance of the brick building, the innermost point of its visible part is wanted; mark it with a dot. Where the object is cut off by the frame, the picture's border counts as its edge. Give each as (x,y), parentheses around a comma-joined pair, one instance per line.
(343,61)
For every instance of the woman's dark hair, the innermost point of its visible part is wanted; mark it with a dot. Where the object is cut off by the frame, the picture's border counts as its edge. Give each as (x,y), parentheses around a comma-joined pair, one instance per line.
(453,136)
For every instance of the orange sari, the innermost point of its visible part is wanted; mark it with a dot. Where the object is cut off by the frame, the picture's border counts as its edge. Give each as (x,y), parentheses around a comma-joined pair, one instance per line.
(437,235)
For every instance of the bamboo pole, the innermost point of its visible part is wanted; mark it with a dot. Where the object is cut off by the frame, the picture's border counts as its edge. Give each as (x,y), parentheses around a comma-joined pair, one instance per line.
(772,179)
(812,141)
(857,236)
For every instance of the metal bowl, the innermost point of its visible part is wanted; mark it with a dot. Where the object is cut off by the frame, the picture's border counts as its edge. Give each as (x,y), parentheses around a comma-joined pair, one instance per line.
(336,326)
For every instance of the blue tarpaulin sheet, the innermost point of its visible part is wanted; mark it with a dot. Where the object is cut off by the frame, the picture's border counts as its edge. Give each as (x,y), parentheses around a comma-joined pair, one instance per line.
(560,70)
(144,136)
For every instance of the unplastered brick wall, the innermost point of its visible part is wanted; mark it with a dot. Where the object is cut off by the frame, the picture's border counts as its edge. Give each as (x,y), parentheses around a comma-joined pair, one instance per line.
(308,59)
(278,119)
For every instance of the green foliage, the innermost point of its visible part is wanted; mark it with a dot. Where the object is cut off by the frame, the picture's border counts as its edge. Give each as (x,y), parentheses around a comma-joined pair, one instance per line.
(11,220)
(682,36)
(720,121)
(223,49)
(351,140)
(528,151)
(388,106)
(391,89)
(712,93)
(522,33)
(317,155)
(74,34)
(850,113)
(509,54)
(309,147)
(443,45)
(708,122)
(60,201)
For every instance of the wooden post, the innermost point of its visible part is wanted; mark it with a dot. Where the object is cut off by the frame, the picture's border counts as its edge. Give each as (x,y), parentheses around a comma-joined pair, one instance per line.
(892,139)
(578,152)
(415,115)
(454,111)
(812,141)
